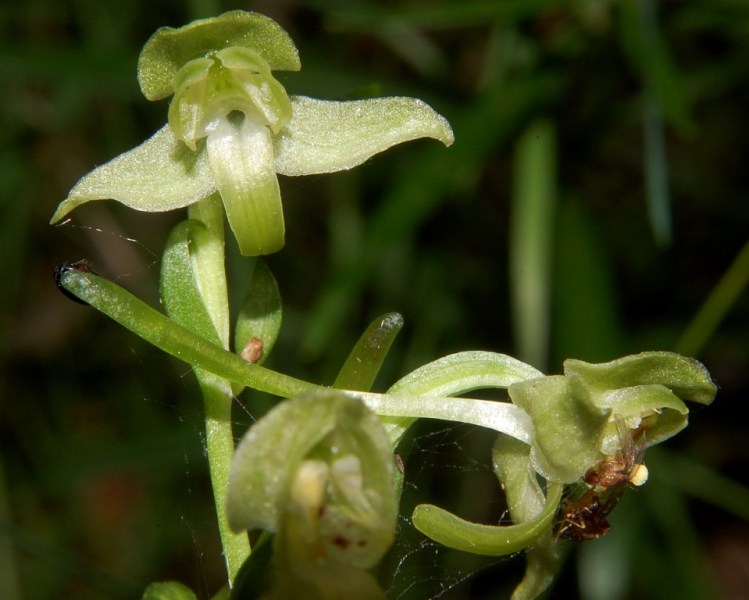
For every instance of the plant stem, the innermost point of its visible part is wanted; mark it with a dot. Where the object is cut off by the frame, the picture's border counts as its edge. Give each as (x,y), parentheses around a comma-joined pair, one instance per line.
(207,259)
(219,442)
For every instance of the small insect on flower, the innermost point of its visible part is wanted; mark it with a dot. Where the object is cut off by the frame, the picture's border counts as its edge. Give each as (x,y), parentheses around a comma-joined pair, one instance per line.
(83,265)
(585,517)
(624,467)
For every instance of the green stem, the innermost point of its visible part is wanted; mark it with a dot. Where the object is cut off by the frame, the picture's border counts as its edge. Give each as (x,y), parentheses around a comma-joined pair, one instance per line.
(219,443)
(206,256)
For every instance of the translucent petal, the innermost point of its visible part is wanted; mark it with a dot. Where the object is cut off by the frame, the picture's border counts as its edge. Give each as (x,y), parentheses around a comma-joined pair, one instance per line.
(159,175)
(169,49)
(324,136)
(241,156)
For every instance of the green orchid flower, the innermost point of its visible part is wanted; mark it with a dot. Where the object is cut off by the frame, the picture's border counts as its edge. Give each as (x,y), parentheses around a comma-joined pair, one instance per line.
(318,472)
(232,128)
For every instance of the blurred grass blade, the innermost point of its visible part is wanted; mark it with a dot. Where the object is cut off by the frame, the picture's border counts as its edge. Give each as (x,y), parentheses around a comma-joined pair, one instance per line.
(672,545)
(702,482)
(363,364)
(531,229)
(656,171)
(718,303)
(586,321)
(656,163)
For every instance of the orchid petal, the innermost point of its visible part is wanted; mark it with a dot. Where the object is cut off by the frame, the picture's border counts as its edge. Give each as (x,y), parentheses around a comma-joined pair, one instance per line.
(324,136)
(169,49)
(241,156)
(159,175)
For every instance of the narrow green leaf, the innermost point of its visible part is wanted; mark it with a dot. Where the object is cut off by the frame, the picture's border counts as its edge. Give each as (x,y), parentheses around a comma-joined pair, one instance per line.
(718,303)
(364,362)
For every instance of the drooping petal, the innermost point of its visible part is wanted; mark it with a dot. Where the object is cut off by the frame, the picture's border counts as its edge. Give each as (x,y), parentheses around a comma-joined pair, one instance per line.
(169,49)
(159,175)
(324,136)
(241,157)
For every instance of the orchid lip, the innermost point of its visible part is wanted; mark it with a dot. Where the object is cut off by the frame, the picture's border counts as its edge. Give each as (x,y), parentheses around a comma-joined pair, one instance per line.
(240,152)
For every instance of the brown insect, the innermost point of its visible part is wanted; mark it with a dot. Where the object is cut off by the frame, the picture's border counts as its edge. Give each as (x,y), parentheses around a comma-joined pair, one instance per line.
(253,350)
(585,517)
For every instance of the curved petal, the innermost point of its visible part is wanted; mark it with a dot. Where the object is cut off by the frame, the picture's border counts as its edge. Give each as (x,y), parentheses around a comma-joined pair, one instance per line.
(159,175)
(487,540)
(169,49)
(241,157)
(323,136)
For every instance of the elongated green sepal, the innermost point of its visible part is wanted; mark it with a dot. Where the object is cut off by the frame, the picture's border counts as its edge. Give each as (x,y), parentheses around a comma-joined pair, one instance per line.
(159,175)
(169,49)
(324,136)
(686,377)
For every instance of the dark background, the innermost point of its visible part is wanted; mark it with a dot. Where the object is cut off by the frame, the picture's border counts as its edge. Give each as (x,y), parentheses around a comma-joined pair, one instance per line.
(103,485)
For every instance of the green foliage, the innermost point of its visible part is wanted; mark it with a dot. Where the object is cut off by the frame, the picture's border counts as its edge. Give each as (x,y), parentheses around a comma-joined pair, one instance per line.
(422,232)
